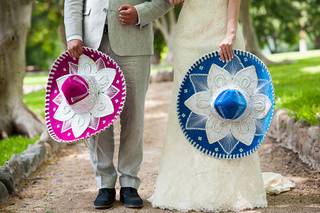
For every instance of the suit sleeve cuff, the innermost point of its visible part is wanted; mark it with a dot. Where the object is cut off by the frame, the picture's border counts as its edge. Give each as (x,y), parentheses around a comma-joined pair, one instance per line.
(74,37)
(139,8)
(138,23)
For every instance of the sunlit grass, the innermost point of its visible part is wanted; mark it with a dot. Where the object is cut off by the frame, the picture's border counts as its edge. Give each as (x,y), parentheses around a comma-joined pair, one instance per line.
(14,145)
(297,88)
(35,101)
(35,79)
(294,55)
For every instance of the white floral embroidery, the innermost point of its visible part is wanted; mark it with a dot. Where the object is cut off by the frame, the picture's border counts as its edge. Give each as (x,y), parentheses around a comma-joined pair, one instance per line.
(101,85)
(242,128)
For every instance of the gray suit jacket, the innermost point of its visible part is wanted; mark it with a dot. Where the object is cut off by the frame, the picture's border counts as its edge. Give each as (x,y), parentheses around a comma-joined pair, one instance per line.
(86,19)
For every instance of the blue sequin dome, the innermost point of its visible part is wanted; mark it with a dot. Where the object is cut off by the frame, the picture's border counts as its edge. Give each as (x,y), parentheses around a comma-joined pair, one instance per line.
(230,104)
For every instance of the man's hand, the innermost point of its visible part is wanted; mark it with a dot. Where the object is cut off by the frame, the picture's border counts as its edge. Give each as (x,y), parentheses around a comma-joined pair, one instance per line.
(75,48)
(128,15)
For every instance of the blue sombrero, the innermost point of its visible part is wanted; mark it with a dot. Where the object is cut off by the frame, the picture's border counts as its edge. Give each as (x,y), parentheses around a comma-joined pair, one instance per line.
(225,109)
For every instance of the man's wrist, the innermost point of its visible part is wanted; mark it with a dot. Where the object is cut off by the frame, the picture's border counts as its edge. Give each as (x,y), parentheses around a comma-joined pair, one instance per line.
(74,37)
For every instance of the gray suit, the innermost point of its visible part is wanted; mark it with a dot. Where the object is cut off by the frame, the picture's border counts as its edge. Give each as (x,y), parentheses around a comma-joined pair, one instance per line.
(131,47)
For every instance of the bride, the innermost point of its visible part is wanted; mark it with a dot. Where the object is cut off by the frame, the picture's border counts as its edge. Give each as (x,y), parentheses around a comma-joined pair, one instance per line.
(188,179)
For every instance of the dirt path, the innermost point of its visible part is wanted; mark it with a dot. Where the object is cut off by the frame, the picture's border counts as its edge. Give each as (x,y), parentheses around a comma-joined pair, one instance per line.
(66,183)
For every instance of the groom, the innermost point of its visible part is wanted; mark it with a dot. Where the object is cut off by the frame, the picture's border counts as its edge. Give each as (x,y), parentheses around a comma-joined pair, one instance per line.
(123,30)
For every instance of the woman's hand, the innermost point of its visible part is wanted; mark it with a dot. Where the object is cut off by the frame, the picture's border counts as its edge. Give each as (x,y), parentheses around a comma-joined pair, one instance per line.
(175,2)
(225,48)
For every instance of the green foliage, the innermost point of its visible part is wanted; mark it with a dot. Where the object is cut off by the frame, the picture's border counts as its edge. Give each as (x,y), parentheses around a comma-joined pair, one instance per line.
(312,22)
(297,88)
(159,43)
(44,40)
(14,145)
(276,23)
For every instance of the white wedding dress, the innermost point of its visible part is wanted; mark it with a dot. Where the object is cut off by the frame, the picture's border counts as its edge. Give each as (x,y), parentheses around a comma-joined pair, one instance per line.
(189,179)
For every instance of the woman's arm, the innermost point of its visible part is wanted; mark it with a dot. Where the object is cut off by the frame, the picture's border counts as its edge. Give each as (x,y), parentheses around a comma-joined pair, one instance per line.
(225,47)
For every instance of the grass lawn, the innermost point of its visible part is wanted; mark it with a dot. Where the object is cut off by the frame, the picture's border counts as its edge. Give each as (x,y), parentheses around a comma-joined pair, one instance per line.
(297,88)
(14,145)
(35,101)
(34,79)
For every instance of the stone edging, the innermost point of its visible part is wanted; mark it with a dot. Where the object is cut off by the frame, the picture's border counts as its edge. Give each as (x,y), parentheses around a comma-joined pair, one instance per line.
(297,136)
(23,165)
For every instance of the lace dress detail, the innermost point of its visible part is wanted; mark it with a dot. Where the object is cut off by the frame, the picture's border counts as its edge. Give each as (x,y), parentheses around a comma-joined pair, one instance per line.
(189,179)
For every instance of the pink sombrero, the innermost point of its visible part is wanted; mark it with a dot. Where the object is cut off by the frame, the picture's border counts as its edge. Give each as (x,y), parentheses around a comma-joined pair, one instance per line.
(84,96)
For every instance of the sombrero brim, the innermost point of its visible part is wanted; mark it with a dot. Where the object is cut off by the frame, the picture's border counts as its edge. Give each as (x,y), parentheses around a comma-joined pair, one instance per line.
(193,124)
(61,131)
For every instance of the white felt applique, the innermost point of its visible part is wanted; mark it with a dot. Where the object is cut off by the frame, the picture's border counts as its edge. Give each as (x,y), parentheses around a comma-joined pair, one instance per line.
(98,103)
(199,103)
(243,128)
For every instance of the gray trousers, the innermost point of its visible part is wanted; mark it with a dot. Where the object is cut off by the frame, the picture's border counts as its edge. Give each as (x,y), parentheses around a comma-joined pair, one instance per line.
(136,71)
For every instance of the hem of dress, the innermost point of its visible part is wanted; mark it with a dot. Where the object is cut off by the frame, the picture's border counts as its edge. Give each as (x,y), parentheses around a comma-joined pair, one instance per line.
(171,208)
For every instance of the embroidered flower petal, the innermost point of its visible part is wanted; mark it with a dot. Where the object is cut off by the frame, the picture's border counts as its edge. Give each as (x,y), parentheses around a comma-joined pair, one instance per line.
(80,123)
(261,106)
(103,106)
(66,125)
(218,78)
(94,123)
(60,80)
(244,130)
(112,91)
(247,79)
(196,122)
(105,77)
(73,68)
(199,103)
(217,128)
(86,65)
(100,64)
(64,112)
(58,99)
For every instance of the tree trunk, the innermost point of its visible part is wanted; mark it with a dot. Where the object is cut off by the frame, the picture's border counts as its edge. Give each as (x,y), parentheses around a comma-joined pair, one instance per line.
(249,33)
(317,42)
(15,18)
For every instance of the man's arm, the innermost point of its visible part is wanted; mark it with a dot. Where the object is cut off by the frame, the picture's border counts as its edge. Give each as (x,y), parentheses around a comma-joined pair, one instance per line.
(151,10)
(73,18)
(73,10)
